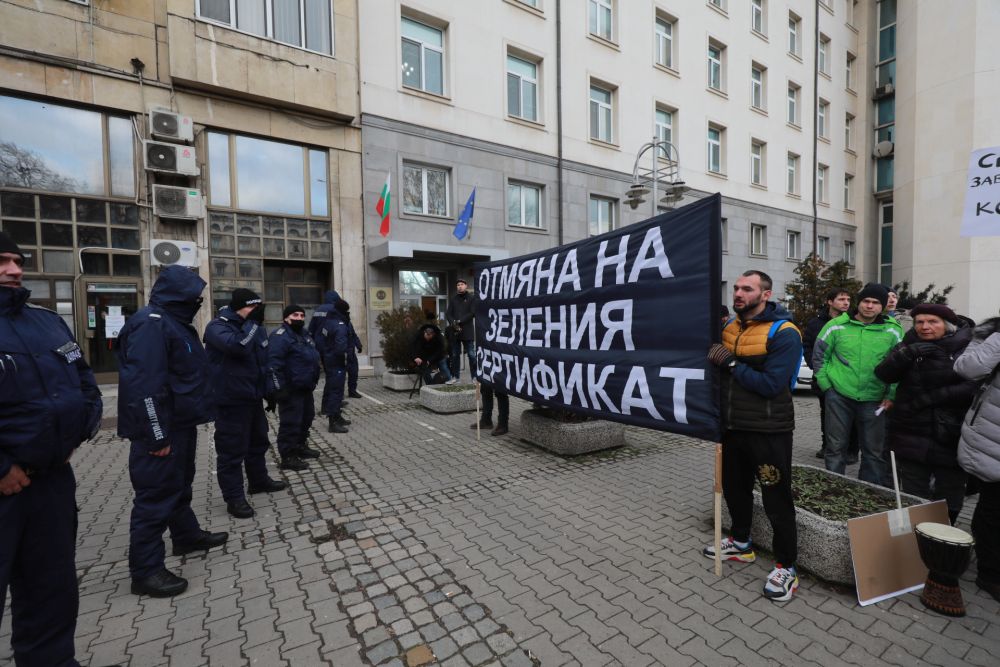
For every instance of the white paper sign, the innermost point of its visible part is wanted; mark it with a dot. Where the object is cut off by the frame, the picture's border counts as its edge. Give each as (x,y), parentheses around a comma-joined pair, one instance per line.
(114,311)
(112,325)
(981,216)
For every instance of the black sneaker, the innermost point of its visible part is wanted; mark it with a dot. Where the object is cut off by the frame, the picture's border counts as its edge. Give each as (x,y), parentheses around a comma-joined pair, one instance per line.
(163,584)
(239,508)
(270,486)
(342,420)
(293,462)
(483,425)
(205,542)
(354,394)
(500,430)
(307,452)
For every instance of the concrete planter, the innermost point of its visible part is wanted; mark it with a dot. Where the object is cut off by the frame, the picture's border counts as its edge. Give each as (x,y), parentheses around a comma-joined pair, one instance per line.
(824,546)
(398,381)
(570,439)
(446,399)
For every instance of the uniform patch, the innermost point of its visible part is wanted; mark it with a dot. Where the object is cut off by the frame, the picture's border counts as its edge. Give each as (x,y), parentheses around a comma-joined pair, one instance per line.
(71,352)
(279,332)
(768,475)
(155,315)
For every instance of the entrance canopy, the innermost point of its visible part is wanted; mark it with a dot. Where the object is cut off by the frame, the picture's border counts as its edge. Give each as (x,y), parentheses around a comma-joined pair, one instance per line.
(391,250)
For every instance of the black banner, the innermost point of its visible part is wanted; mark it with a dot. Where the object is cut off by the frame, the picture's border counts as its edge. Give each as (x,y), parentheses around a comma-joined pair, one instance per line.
(614,326)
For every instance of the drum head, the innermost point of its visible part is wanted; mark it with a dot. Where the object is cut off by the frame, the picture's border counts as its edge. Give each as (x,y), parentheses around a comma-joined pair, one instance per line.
(944,533)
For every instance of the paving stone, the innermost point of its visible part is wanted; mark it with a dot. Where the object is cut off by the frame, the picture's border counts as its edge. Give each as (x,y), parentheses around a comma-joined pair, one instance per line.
(365,622)
(409,640)
(390,615)
(486,627)
(402,626)
(432,632)
(383,651)
(453,621)
(474,612)
(375,636)
(501,643)
(419,655)
(444,648)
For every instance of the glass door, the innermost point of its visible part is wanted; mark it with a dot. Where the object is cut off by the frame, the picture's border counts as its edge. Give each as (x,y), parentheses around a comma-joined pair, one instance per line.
(109,305)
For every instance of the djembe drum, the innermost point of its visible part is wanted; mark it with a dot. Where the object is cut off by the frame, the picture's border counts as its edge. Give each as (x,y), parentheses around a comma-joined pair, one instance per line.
(946,551)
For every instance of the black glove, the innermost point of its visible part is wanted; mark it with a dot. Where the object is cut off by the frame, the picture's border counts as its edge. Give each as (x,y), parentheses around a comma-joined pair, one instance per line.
(923,350)
(257,314)
(358,348)
(720,355)
(269,403)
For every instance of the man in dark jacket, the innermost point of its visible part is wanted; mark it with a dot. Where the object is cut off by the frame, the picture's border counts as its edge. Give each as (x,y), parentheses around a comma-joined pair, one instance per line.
(925,422)
(353,349)
(292,374)
(428,352)
(838,302)
(162,397)
(332,339)
(461,315)
(758,360)
(49,404)
(236,343)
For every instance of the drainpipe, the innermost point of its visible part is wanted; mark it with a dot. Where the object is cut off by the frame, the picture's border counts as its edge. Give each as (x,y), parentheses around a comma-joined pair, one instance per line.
(815,127)
(559,122)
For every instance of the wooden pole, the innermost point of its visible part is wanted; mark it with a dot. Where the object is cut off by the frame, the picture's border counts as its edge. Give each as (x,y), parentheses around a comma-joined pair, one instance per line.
(477,410)
(718,509)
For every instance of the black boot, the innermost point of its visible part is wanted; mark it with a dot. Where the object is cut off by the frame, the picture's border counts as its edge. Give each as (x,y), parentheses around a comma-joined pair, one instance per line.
(293,462)
(239,508)
(343,421)
(354,394)
(163,584)
(484,424)
(270,486)
(307,452)
(501,429)
(335,426)
(205,542)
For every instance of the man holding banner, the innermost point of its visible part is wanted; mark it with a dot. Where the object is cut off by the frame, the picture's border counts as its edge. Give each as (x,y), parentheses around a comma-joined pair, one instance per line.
(759,358)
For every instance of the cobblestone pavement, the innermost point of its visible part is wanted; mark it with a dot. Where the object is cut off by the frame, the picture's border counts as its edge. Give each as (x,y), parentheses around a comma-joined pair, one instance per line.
(410,543)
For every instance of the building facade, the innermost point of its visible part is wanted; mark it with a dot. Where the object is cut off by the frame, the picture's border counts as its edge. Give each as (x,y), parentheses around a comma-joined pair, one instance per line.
(248,169)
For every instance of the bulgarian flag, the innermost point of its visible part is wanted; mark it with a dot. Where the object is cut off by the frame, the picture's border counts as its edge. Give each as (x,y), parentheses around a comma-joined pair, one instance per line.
(382,207)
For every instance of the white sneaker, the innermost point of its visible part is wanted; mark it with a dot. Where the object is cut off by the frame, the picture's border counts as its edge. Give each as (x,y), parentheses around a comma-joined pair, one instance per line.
(781,584)
(452,381)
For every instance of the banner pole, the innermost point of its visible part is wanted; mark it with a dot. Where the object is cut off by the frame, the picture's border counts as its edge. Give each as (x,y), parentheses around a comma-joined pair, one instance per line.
(475,379)
(718,509)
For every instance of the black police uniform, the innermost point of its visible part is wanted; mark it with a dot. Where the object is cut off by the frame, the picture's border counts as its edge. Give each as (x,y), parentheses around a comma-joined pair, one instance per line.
(332,343)
(237,355)
(315,323)
(49,404)
(292,375)
(162,397)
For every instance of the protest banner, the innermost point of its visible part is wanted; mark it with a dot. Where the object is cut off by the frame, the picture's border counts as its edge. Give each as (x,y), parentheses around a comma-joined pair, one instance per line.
(981,214)
(615,326)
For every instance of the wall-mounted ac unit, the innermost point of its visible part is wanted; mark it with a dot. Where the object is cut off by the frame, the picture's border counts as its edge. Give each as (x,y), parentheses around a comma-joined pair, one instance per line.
(179,203)
(883,91)
(165,124)
(169,158)
(166,252)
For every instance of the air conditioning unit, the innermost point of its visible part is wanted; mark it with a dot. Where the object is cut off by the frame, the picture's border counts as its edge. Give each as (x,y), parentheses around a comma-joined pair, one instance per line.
(883,91)
(165,124)
(177,203)
(165,252)
(169,158)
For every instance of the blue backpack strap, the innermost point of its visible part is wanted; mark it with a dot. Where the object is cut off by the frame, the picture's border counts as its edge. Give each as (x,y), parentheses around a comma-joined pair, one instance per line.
(775,328)
(728,322)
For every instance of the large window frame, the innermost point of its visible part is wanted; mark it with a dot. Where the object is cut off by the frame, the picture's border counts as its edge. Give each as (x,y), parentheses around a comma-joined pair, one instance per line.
(521,190)
(427,51)
(757,17)
(822,119)
(523,77)
(606,210)
(794,35)
(663,128)
(758,240)
(269,17)
(714,140)
(823,248)
(602,113)
(792,175)
(823,59)
(601,19)
(822,178)
(758,86)
(758,158)
(716,55)
(793,245)
(793,104)
(663,37)
(426,209)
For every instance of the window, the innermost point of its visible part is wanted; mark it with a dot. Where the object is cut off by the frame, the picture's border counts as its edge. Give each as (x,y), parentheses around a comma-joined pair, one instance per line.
(715,149)
(425,190)
(725,237)
(757,149)
(600,18)
(715,66)
(794,43)
(757,94)
(55,148)
(664,37)
(758,240)
(848,192)
(522,88)
(718,3)
(792,181)
(303,23)
(822,109)
(849,132)
(601,214)
(849,71)
(824,55)
(849,252)
(664,128)
(423,56)
(823,248)
(601,117)
(757,16)
(794,245)
(821,178)
(793,104)
(885,243)
(524,205)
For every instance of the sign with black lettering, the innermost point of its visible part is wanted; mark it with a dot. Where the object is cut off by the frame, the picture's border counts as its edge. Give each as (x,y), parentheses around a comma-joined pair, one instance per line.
(981,216)
(615,326)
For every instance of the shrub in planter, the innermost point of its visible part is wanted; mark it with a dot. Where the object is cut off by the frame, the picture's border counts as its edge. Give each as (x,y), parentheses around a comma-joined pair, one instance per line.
(396,328)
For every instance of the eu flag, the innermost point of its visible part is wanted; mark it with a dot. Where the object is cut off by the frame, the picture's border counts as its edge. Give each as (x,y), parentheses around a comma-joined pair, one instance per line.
(465,220)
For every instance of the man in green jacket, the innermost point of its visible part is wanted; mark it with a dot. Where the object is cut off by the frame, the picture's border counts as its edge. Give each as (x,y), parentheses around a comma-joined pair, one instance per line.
(847,350)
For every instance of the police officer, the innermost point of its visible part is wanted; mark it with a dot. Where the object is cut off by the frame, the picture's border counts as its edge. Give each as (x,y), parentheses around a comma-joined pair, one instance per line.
(353,349)
(318,318)
(332,341)
(49,404)
(236,343)
(292,374)
(162,397)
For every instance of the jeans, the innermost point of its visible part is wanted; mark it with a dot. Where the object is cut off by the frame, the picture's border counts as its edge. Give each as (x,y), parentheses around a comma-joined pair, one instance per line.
(456,357)
(746,456)
(841,414)
(949,483)
(427,370)
(986,531)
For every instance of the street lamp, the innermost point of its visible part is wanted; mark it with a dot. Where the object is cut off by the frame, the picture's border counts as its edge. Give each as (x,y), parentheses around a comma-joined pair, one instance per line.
(664,174)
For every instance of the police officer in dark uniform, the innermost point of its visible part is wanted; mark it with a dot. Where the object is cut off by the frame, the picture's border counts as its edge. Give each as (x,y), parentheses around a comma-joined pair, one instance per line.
(353,349)
(49,404)
(292,374)
(332,341)
(236,343)
(318,318)
(162,397)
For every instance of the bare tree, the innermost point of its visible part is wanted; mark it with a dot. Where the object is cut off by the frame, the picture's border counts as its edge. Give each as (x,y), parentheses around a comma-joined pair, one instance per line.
(22,168)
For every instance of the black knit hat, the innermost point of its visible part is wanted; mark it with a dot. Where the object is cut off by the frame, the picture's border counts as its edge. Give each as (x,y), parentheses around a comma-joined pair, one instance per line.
(874,291)
(7,245)
(292,309)
(937,310)
(243,297)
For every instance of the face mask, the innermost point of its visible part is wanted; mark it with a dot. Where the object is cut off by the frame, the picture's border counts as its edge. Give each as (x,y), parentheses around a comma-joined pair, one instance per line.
(297,325)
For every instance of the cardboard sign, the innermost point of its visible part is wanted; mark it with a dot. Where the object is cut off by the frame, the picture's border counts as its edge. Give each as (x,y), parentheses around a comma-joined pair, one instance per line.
(981,215)
(887,565)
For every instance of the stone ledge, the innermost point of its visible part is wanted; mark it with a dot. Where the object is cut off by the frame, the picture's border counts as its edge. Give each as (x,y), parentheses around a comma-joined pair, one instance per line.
(399,381)
(570,438)
(437,399)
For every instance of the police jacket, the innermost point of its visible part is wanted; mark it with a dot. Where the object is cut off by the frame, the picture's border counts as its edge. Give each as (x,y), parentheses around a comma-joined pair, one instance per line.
(462,311)
(162,376)
(237,358)
(292,361)
(49,401)
(322,311)
(757,391)
(430,351)
(332,339)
